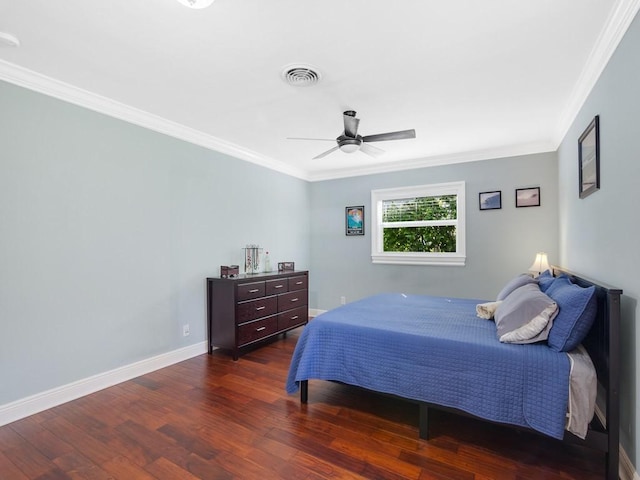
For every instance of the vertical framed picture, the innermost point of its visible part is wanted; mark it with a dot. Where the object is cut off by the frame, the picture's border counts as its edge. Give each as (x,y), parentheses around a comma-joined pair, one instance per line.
(528,197)
(354,220)
(490,200)
(589,159)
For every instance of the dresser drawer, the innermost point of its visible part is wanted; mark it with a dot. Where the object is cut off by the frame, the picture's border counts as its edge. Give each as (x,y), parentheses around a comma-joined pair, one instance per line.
(298,283)
(250,332)
(293,318)
(290,300)
(274,287)
(247,291)
(252,309)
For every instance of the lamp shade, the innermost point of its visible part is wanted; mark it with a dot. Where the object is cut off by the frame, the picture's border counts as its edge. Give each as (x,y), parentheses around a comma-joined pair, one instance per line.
(540,264)
(196,3)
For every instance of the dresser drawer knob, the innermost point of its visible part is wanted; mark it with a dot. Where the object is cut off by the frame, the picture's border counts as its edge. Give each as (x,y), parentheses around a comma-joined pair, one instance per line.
(295,317)
(295,299)
(260,308)
(278,286)
(255,290)
(298,283)
(260,329)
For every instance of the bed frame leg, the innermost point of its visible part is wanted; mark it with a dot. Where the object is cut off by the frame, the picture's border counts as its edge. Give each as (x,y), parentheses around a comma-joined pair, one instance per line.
(424,421)
(612,462)
(304,391)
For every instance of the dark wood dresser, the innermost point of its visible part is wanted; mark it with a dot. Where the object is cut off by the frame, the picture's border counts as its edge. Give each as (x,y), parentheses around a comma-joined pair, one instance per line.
(250,308)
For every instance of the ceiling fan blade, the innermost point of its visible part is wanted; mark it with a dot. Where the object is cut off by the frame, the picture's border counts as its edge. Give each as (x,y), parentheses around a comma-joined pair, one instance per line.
(326,153)
(350,123)
(371,150)
(381,137)
(321,139)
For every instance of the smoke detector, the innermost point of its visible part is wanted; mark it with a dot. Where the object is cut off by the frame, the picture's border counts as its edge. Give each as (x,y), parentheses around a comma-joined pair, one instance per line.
(301,75)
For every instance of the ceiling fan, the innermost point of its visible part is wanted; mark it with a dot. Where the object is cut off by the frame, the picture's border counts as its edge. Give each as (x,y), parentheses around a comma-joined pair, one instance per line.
(350,141)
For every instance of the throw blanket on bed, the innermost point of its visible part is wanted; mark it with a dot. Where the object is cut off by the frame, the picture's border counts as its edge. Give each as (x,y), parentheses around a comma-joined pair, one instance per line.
(436,350)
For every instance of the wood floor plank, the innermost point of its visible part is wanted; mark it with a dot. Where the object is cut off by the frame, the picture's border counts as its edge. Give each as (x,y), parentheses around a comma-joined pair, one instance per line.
(81,440)
(163,469)
(33,463)
(210,417)
(122,467)
(76,466)
(9,470)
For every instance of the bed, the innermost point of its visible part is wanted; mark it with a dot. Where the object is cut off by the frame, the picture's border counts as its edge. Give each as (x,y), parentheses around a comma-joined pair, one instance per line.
(437,352)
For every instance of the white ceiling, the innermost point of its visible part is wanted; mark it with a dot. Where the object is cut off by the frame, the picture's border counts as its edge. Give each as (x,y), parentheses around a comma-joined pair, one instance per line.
(475,79)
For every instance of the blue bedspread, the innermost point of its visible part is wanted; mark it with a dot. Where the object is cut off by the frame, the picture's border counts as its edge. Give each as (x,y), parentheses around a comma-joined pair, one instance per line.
(436,350)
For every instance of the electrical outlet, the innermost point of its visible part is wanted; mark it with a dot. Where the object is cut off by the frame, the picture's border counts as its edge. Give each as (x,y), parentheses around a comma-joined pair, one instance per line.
(343,300)
(185,330)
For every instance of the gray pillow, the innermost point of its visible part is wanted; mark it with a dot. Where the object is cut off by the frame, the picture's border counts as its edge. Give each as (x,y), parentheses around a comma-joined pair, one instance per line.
(514,283)
(525,316)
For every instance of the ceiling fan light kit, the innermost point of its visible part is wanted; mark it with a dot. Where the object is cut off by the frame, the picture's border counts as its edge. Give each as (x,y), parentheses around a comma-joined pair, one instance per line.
(350,141)
(348,144)
(197,4)
(9,40)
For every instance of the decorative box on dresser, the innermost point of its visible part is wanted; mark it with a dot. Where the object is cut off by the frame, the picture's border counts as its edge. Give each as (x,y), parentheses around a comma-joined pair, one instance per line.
(250,308)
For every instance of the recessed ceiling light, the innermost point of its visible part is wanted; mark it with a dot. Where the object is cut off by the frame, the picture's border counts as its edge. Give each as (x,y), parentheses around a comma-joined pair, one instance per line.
(9,40)
(301,75)
(196,3)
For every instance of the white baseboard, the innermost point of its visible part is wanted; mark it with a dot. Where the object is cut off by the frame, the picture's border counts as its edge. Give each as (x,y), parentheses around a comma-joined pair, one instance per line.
(314,312)
(39,402)
(626,470)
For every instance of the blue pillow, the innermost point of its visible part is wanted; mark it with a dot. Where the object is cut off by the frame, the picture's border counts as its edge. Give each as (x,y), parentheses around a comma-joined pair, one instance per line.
(545,279)
(514,283)
(577,311)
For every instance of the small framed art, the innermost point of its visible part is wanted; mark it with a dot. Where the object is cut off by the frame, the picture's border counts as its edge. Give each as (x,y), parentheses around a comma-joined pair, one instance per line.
(589,159)
(354,220)
(528,197)
(490,200)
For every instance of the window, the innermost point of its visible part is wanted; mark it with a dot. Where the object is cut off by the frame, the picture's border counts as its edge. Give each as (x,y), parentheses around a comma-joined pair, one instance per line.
(420,225)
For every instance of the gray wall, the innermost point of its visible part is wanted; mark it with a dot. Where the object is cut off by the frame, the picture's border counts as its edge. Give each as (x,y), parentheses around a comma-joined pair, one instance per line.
(500,243)
(107,232)
(599,234)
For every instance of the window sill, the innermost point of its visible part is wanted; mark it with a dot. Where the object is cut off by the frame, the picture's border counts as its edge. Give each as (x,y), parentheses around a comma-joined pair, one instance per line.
(454,260)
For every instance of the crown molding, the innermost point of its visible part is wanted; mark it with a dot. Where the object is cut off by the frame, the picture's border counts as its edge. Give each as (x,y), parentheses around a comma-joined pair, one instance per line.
(436,160)
(616,26)
(37,82)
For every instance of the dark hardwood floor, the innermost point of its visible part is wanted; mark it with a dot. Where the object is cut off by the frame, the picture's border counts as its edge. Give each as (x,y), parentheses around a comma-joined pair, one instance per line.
(213,418)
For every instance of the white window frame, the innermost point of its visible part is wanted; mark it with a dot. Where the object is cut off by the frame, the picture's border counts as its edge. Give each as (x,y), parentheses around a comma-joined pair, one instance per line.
(378,255)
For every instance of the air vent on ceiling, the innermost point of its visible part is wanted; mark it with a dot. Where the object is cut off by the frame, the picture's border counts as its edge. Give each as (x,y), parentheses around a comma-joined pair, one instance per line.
(300,75)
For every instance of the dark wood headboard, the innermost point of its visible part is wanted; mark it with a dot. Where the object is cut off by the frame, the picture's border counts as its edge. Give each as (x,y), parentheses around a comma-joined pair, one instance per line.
(603,345)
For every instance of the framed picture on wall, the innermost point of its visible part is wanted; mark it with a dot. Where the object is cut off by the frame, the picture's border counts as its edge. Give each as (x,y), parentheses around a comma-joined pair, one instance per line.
(354,220)
(490,200)
(528,197)
(589,159)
